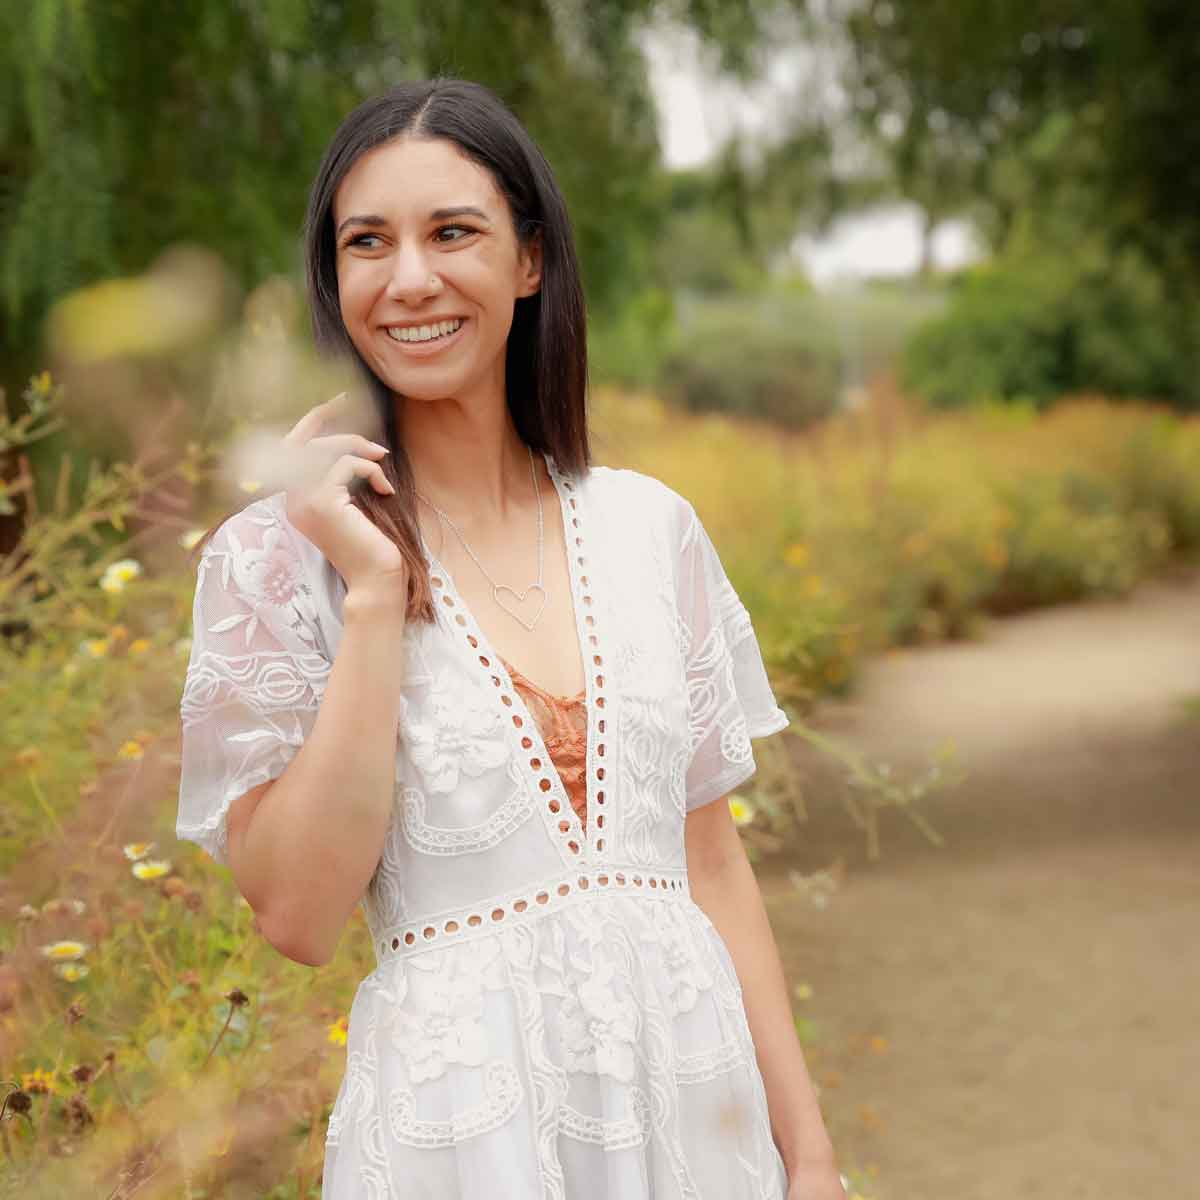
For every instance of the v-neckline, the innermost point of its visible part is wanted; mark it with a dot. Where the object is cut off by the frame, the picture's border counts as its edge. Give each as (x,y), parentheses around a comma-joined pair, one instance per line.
(485,658)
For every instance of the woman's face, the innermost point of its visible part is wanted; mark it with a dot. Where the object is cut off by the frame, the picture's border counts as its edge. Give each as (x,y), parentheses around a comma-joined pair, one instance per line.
(404,263)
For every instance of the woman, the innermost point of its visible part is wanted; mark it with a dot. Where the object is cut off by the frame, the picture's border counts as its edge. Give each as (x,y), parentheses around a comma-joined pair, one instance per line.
(495,695)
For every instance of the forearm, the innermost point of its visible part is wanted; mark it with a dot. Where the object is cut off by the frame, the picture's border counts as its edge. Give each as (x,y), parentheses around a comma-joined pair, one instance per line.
(318,832)
(731,899)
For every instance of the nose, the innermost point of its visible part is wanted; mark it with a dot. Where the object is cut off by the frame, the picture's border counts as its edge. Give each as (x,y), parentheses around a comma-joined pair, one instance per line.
(411,279)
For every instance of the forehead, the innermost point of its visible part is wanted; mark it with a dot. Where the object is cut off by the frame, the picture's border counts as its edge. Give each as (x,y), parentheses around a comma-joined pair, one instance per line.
(411,177)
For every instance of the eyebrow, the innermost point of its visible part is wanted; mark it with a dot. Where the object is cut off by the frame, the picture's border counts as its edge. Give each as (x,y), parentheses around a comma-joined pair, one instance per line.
(372,220)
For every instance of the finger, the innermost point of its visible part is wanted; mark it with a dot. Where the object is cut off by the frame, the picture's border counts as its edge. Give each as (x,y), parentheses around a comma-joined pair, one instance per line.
(350,467)
(349,443)
(312,420)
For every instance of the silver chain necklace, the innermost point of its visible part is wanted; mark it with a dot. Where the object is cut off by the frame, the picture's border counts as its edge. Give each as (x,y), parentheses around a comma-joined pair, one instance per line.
(497,588)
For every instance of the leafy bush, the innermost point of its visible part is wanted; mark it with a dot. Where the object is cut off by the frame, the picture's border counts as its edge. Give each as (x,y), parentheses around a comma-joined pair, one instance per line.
(775,358)
(1043,324)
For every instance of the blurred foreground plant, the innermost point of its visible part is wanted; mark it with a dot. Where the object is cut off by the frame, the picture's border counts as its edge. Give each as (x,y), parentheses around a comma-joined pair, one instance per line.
(50,579)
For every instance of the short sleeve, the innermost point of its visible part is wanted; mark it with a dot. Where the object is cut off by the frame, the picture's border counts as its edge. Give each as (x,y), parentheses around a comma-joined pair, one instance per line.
(730,699)
(256,673)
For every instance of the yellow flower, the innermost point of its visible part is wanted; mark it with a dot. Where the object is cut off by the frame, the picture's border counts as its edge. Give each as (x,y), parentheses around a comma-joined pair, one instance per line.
(151,868)
(139,645)
(796,555)
(813,585)
(118,574)
(71,972)
(249,485)
(94,647)
(190,537)
(803,991)
(878,1043)
(41,383)
(118,633)
(338,1031)
(741,812)
(130,749)
(64,951)
(38,1080)
(136,850)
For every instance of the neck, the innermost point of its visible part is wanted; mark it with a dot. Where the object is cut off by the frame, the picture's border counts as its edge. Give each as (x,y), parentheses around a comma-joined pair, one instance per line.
(466,456)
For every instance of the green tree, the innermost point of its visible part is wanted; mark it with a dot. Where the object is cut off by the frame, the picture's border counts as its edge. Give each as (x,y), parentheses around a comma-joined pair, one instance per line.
(125,127)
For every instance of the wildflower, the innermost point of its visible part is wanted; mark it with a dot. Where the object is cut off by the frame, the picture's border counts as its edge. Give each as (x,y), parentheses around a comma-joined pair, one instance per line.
(796,555)
(61,951)
(813,585)
(878,1043)
(94,647)
(61,906)
(237,998)
(338,1031)
(249,485)
(38,1081)
(741,812)
(803,991)
(139,645)
(27,913)
(130,749)
(136,850)
(118,633)
(41,383)
(151,868)
(190,538)
(71,972)
(29,756)
(119,573)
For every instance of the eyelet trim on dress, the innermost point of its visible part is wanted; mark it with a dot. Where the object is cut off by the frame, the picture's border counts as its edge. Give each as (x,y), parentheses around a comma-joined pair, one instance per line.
(552,791)
(594,667)
(486,917)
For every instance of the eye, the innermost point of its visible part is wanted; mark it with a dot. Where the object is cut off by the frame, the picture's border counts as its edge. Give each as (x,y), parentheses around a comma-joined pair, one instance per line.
(464,229)
(355,241)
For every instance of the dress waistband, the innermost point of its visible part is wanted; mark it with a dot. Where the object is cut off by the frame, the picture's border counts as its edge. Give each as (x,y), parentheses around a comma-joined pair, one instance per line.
(488,916)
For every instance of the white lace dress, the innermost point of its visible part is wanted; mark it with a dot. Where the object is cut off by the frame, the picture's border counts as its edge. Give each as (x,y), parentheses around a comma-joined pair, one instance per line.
(551,1014)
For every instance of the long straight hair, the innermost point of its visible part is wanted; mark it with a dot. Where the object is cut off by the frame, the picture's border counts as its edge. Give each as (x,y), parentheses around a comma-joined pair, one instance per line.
(546,355)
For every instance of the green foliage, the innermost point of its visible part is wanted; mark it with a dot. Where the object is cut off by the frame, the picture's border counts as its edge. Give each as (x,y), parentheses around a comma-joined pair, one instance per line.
(1041,324)
(974,80)
(772,357)
(122,132)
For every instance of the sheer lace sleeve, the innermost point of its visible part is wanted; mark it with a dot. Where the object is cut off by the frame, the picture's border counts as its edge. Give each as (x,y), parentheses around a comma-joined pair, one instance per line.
(256,674)
(729,696)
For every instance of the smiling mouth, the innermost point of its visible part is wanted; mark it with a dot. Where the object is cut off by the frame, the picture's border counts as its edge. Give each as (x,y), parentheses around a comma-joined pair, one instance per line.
(425,335)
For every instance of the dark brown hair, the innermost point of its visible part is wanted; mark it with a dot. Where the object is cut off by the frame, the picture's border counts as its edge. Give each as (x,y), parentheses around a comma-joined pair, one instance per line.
(546,356)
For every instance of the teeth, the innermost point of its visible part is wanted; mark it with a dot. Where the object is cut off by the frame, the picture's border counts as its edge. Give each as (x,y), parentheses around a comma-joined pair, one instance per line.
(423,333)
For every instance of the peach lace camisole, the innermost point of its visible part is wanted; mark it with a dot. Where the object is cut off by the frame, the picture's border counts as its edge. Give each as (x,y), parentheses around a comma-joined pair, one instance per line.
(562,722)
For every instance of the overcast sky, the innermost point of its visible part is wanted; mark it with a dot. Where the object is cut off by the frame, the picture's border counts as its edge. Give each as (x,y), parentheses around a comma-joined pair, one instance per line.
(698,111)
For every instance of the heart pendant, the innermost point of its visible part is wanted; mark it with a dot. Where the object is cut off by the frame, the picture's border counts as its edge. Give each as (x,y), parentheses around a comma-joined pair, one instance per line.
(520,596)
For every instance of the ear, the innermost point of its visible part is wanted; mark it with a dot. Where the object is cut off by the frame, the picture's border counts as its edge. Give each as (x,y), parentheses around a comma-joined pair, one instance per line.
(531,265)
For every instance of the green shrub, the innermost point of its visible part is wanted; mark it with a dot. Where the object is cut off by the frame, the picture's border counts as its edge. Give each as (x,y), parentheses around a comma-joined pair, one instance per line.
(776,358)
(1042,325)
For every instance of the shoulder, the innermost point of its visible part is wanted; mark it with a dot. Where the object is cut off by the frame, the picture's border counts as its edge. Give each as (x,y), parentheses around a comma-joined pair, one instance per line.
(642,495)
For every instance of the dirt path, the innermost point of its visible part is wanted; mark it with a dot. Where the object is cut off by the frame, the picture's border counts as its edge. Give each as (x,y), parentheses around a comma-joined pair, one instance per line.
(1037,980)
